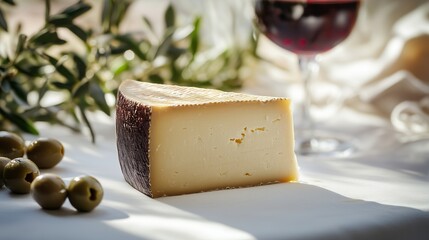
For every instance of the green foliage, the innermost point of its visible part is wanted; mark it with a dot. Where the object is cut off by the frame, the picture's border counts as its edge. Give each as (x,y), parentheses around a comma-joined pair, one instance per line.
(83,80)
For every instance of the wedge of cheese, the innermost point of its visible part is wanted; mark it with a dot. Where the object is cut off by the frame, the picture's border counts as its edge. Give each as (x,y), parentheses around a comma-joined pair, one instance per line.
(175,140)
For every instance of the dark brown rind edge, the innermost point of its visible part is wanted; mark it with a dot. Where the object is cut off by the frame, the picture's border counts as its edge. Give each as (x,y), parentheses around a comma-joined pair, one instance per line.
(132,140)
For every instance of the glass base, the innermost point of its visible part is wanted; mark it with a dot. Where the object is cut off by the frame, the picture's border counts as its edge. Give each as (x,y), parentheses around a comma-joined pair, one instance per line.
(325,146)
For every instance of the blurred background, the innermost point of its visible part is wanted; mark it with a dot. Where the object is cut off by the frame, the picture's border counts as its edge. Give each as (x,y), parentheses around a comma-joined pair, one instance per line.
(380,70)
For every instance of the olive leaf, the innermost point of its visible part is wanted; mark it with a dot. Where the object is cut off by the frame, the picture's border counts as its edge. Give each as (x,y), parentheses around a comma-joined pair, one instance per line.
(155,78)
(169,17)
(164,45)
(22,38)
(28,69)
(78,31)
(3,22)
(98,95)
(24,124)
(195,37)
(10,2)
(46,37)
(148,24)
(76,10)
(60,20)
(80,65)
(120,68)
(19,91)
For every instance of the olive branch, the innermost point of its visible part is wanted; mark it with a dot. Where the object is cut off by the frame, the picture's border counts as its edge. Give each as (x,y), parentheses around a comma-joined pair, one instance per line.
(43,64)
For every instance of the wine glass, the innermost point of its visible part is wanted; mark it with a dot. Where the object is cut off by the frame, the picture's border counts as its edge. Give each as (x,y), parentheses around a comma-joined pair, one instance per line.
(308,28)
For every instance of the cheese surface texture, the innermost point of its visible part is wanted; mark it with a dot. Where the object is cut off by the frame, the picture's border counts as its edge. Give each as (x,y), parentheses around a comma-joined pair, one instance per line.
(175,140)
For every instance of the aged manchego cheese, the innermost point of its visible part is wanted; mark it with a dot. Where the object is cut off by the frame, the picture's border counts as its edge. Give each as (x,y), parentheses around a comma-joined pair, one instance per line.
(175,140)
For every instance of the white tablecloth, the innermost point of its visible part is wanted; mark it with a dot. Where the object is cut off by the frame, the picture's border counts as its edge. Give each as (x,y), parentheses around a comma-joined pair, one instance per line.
(380,194)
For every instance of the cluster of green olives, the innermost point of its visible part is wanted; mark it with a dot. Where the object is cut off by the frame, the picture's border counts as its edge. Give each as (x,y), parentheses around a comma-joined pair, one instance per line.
(22,175)
(44,152)
(50,192)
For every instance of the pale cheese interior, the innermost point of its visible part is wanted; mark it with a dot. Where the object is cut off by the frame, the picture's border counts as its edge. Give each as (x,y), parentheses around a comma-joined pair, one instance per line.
(214,146)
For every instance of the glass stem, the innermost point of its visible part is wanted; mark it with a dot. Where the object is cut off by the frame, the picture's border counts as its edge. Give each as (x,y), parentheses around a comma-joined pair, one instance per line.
(308,67)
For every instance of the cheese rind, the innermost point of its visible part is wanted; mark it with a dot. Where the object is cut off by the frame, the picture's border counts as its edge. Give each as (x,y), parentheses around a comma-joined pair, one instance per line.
(176,140)
(132,133)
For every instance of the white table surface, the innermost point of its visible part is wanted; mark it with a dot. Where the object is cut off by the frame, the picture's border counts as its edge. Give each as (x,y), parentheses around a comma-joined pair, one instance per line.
(380,195)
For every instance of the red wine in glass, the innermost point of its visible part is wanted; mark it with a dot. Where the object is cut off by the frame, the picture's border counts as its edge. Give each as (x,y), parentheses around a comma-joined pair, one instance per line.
(306,27)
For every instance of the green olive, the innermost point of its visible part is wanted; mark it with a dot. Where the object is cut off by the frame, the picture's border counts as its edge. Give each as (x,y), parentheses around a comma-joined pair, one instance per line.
(19,173)
(45,152)
(85,193)
(49,191)
(11,145)
(3,162)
